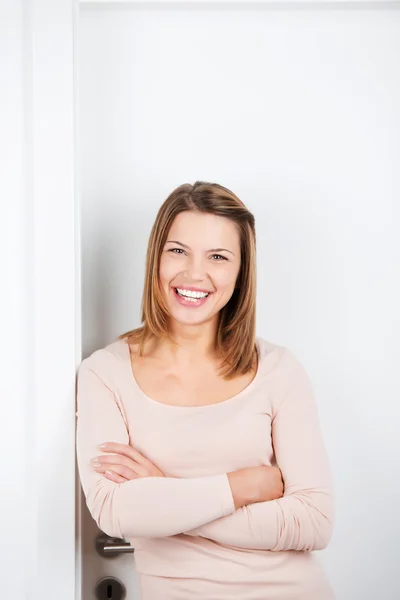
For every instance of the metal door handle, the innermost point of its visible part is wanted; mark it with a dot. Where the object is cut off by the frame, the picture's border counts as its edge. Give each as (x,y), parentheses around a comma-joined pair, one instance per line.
(115,548)
(111,546)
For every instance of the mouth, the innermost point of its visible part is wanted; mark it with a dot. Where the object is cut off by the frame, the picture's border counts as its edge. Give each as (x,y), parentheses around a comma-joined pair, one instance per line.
(189,301)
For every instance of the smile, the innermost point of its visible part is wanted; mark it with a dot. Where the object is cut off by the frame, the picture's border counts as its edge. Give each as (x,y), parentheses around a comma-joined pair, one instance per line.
(190,298)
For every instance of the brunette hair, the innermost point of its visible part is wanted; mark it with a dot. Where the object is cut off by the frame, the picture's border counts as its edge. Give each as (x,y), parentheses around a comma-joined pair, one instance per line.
(235,336)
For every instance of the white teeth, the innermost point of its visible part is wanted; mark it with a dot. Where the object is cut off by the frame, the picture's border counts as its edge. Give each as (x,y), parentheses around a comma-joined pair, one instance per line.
(191,294)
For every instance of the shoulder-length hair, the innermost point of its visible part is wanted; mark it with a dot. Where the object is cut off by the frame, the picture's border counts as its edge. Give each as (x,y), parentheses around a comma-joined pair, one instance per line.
(235,340)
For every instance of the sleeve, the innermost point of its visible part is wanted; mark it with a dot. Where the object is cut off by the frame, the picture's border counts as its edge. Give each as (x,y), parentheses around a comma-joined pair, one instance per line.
(303,518)
(145,507)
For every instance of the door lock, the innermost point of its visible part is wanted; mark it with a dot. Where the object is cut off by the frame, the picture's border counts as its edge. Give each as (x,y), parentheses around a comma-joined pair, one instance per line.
(110,588)
(110,547)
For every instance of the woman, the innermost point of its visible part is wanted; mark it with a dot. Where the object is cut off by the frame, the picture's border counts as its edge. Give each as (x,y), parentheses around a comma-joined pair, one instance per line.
(214,466)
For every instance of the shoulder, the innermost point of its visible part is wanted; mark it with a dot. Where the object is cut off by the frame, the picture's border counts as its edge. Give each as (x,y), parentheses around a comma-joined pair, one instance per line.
(106,362)
(281,369)
(276,357)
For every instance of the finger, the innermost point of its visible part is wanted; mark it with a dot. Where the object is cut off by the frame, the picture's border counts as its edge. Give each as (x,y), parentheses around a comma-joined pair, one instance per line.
(114,477)
(118,459)
(120,470)
(143,466)
(112,457)
(126,450)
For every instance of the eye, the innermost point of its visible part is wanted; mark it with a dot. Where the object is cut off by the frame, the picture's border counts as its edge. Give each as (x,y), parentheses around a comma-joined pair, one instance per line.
(180,251)
(220,255)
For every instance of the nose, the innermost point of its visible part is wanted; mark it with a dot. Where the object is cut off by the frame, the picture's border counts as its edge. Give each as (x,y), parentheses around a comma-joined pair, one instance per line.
(195,269)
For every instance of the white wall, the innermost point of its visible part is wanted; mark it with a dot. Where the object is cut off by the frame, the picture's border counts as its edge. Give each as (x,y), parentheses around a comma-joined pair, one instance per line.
(296,110)
(40,327)
(14,310)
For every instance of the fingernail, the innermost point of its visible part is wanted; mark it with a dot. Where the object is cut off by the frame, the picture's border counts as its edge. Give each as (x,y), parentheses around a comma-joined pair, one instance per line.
(96,463)
(103,445)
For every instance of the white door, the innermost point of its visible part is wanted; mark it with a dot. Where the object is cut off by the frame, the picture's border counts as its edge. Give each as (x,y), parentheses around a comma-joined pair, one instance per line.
(295,107)
(39,300)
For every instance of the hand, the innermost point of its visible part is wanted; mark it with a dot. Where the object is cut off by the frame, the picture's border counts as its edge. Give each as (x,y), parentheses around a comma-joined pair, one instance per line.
(125,463)
(255,484)
(270,483)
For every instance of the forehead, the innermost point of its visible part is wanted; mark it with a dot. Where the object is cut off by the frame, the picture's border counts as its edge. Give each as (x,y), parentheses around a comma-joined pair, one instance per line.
(190,227)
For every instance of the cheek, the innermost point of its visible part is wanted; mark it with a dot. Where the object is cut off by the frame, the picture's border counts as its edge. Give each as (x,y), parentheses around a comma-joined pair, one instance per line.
(167,270)
(225,279)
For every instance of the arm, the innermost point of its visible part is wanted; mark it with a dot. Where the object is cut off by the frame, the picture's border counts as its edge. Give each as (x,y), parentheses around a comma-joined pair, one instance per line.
(302,518)
(143,507)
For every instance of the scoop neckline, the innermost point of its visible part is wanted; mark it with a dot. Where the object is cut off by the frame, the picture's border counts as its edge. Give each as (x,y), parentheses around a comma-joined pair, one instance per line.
(228,401)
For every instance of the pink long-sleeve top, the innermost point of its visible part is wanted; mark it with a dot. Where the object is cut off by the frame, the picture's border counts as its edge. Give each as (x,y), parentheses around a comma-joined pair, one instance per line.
(184,526)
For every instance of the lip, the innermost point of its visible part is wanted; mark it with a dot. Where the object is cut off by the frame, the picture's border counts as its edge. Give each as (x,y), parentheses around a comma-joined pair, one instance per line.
(190,303)
(191,289)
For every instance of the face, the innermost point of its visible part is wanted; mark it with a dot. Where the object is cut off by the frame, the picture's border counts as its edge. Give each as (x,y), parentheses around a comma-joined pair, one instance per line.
(201,254)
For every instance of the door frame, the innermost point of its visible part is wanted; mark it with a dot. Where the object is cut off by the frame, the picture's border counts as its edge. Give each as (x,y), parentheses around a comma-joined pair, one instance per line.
(44,217)
(53,279)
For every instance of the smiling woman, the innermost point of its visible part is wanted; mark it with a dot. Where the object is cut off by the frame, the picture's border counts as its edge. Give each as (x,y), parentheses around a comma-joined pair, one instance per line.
(214,443)
(203,239)
(194,273)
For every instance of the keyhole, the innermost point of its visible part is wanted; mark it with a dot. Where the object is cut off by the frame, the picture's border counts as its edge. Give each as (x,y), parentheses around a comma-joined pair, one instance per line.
(109,588)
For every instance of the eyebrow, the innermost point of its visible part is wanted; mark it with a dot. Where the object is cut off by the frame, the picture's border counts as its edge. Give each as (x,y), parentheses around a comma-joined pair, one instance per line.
(210,250)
